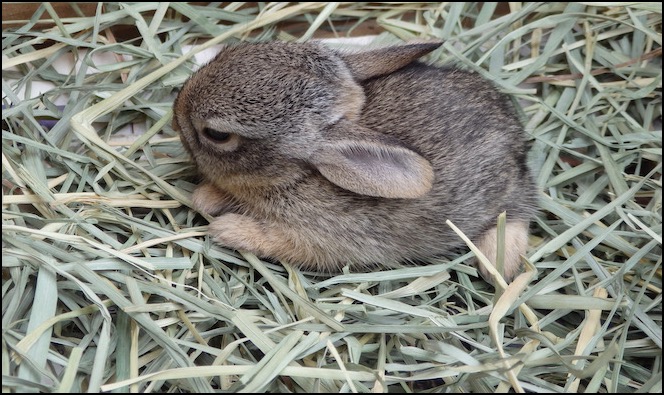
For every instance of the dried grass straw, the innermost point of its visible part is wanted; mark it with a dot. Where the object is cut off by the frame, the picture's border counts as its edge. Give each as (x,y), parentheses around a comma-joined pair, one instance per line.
(109,281)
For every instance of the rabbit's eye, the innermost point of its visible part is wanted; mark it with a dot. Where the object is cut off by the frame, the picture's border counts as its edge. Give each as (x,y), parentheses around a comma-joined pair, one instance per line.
(217,136)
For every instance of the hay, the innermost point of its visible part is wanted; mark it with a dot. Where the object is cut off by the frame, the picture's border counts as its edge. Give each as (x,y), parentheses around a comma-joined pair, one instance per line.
(110,282)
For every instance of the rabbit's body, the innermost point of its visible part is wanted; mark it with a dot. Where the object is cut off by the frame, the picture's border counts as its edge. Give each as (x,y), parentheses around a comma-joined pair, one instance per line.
(363,170)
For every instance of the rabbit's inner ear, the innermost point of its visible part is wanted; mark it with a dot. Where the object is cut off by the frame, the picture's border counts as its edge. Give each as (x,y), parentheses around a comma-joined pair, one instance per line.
(377,62)
(374,169)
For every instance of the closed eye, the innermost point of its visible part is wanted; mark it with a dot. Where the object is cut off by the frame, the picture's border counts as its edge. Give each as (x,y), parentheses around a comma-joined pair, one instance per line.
(216,135)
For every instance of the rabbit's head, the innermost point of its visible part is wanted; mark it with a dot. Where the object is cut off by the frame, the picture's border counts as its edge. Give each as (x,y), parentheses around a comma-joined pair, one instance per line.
(265,114)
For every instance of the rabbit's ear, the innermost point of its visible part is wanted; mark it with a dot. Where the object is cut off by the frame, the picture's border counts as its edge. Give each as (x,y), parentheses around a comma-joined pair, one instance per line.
(374,169)
(381,61)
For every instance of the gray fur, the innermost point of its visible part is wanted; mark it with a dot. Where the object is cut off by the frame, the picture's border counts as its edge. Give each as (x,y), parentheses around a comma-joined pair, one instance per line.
(294,109)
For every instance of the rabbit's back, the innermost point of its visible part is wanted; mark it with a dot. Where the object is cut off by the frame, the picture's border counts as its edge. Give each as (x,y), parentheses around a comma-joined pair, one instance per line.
(468,131)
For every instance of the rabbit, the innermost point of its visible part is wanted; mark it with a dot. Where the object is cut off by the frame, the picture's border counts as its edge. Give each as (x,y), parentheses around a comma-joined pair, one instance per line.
(326,158)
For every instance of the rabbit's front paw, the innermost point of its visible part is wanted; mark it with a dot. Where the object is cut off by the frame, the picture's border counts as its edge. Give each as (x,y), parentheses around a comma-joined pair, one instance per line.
(241,232)
(210,200)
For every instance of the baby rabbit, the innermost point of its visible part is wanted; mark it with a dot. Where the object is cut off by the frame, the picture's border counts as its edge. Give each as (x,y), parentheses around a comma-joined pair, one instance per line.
(325,158)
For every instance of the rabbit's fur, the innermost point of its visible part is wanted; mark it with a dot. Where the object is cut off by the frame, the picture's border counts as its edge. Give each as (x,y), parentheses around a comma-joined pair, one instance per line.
(324,158)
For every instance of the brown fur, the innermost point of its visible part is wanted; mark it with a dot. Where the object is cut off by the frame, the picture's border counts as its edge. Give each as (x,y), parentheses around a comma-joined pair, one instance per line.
(340,158)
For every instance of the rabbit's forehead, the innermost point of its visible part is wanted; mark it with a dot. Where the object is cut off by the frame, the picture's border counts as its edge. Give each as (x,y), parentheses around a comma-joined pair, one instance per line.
(275,68)
(256,90)
(265,78)
(266,102)
(245,98)
(305,57)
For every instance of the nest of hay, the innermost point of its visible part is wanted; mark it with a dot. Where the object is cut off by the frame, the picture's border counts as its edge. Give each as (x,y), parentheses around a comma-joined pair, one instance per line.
(109,281)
